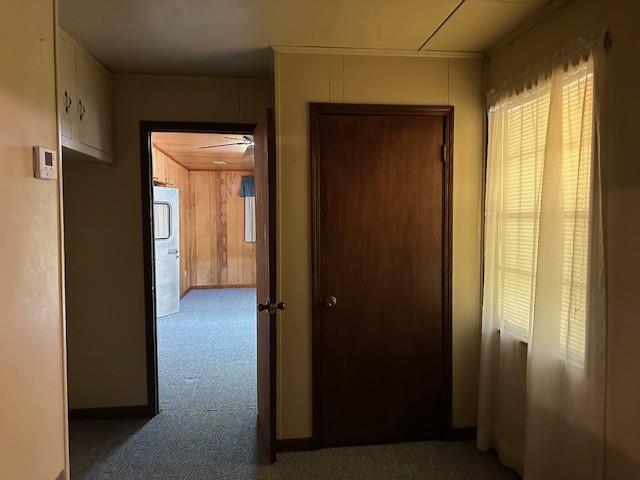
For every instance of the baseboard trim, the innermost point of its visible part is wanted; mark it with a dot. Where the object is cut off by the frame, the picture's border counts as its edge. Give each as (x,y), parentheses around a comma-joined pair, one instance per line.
(296,444)
(212,287)
(308,443)
(104,413)
(462,434)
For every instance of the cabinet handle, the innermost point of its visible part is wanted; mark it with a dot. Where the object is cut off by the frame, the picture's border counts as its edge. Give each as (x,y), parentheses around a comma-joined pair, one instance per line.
(67,102)
(83,110)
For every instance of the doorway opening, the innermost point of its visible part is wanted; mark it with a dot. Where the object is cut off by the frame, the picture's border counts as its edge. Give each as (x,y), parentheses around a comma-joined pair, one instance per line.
(205,270)
(210,352)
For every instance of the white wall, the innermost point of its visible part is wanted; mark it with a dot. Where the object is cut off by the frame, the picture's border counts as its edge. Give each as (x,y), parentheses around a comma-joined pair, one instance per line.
(32,407)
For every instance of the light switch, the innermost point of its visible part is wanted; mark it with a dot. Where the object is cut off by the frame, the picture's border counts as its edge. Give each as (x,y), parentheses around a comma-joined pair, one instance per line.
(45,165)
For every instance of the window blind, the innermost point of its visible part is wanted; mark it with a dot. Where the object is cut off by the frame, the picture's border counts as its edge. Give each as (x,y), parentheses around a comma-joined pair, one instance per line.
(523,151)
(577,118)
(161,220)
(523,157)
(250,219)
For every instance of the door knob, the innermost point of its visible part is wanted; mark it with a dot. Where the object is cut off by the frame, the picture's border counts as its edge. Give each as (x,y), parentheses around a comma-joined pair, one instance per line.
(330,301)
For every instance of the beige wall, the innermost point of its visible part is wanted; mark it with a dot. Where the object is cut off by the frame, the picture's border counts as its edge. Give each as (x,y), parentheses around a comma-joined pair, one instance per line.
(303,78)
(620,145)
(32,408)
(106,305)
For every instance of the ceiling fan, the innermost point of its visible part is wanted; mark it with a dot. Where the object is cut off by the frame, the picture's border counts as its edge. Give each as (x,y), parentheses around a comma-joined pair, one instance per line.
(245,140)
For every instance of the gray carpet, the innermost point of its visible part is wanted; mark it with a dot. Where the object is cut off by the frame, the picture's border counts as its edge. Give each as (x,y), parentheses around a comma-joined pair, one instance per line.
(207,352)
(206,428)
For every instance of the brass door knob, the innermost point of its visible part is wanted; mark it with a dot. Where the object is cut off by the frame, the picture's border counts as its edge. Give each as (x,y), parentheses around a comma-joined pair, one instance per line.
(330,301)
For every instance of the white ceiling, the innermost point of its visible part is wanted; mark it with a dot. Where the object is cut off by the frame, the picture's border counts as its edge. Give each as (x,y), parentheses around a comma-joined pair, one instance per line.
(232,37)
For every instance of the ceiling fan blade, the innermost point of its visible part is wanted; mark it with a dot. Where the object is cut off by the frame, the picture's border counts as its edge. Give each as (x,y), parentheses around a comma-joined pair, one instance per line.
(222,145)
(246,139)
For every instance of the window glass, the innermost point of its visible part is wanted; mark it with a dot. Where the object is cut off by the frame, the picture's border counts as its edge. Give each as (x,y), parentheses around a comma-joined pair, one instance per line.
(161,220)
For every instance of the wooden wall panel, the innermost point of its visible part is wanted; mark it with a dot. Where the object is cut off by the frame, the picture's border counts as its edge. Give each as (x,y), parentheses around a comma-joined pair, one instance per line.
(170,173)
(219,255)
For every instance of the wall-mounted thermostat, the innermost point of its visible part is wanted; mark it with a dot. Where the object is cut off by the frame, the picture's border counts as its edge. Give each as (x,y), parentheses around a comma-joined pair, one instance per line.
(44,163)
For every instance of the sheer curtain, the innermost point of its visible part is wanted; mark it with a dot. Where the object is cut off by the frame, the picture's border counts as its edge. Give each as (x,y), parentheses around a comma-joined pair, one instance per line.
(542,375)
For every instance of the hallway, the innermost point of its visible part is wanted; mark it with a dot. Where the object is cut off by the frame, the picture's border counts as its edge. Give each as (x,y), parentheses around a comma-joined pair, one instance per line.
(206,426)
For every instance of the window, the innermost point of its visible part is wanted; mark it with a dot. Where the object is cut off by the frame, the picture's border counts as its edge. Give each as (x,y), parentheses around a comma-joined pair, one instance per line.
(577,105)
(525,132)
(529,164)
(161,220)
(248,192)
(250,219)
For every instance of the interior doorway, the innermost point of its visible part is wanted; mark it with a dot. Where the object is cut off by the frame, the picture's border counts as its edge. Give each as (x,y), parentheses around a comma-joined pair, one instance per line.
(208,194)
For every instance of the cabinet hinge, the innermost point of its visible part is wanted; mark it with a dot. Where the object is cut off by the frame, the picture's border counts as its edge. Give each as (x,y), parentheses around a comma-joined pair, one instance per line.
(443,151)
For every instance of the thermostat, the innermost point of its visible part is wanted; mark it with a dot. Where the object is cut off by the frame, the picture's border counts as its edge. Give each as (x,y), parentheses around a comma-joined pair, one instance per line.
(44,163)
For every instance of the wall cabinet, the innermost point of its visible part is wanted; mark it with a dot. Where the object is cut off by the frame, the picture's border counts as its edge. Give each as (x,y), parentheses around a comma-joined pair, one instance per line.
(85,90)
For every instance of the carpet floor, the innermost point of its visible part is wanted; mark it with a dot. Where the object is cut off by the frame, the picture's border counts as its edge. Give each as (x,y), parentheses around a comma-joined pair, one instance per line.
(206,427)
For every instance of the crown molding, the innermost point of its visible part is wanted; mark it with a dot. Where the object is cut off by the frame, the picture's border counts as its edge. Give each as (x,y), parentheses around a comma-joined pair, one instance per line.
(373,52)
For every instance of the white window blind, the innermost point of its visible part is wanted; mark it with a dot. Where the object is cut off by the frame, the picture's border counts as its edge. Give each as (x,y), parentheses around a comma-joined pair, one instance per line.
(250,219)
(577,127)
(524,151)
(524,143)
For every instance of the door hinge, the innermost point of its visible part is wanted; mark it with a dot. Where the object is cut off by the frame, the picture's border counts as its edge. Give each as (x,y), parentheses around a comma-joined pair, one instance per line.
(443,151)
(271,307)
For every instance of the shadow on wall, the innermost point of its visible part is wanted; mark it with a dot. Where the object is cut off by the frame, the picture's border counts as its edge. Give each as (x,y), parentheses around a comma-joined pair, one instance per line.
(626,466)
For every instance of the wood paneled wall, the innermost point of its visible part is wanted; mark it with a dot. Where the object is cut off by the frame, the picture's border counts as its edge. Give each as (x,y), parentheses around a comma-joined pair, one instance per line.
(169,173)
(213,252)
(219,255)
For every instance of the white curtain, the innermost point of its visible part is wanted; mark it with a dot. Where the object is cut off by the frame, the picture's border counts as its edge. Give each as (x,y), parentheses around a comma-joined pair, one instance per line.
(542,373)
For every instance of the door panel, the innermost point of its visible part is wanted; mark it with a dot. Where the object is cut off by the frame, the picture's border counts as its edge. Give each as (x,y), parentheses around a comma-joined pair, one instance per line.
(166,226)
(67,87)
(266,285)
(380,355)
(94,104)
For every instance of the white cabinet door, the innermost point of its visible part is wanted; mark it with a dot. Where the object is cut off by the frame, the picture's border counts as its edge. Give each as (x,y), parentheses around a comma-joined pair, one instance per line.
(166,226)
(67,86)
(95,128)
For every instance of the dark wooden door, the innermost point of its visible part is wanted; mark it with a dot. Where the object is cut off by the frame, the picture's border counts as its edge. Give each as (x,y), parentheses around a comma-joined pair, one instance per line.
(381,273)
(264,176)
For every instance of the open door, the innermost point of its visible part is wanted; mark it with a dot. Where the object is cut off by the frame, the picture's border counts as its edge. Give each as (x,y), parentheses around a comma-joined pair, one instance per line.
(166,228)
(264,153)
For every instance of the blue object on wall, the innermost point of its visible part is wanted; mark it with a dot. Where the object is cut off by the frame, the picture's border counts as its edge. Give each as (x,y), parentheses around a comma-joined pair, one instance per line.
(247,186)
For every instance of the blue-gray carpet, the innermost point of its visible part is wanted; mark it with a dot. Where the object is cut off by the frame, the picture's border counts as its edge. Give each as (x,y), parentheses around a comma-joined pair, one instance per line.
(207,352)
(206,428)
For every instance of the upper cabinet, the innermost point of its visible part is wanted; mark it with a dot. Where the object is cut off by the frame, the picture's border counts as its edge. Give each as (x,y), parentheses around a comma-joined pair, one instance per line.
(85,89)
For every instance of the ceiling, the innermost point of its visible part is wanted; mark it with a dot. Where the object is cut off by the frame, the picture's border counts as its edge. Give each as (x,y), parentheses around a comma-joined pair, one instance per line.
(232,37)
(185,148)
